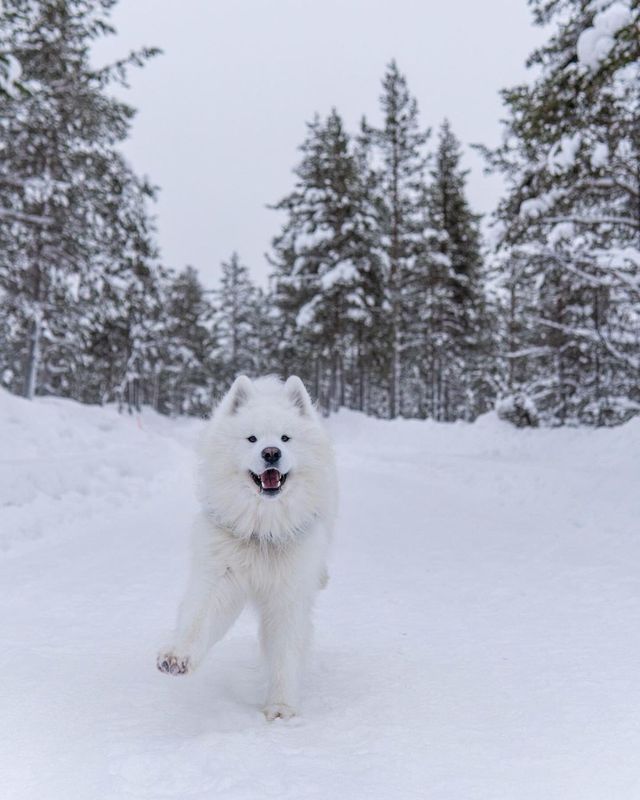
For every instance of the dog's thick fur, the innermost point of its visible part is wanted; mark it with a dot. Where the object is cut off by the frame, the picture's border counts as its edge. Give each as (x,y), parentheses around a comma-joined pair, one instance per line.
(251,543)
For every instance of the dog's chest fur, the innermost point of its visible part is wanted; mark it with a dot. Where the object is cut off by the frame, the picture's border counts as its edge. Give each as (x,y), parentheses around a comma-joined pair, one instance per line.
(267,567)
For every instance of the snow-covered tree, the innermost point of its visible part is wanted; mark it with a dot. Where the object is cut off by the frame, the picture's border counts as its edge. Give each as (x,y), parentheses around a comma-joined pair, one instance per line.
(185,368)
(452,338)
(399,164)
(570,225)
(62,184)
(378,272)
(238,312)
(325,266)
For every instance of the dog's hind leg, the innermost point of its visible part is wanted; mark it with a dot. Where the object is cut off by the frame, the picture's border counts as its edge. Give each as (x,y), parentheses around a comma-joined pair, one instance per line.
(284,632)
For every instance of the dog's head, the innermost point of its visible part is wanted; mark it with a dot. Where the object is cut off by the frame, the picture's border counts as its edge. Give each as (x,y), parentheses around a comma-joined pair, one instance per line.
(267,462)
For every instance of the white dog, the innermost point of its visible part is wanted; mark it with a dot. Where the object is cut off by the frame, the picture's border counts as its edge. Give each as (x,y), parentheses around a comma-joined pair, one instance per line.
(268,496)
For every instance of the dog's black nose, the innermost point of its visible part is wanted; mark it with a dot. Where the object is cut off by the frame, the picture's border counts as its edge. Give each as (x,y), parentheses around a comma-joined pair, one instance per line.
(271,454)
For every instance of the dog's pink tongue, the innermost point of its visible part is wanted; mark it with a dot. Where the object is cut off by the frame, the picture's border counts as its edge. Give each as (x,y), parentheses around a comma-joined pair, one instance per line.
(270,479)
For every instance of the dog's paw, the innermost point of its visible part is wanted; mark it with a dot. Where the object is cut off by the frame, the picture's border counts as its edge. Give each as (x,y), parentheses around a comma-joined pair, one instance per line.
(278,711)
(171,664)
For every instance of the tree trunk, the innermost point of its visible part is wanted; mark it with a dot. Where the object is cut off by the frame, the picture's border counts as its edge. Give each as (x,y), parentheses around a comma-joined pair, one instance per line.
(394,382)
(361,372)
(333,400)
(32,361)
(316,380)
(156,390)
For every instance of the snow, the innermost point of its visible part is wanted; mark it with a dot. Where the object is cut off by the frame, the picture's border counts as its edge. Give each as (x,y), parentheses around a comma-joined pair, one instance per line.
(561,232)
(479,637)
(600,155)
(10,72)
(440,259)
(58,457)
(595,43)
(343,273)
(563,154)
(535,207)
(307,312)
(620,257)
(624,149)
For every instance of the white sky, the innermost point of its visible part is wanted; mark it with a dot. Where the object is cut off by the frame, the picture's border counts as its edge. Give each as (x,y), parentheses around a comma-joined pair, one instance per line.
(222,112)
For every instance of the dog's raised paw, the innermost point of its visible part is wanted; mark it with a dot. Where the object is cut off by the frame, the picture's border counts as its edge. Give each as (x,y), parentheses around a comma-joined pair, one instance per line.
(171,664)
(278,711)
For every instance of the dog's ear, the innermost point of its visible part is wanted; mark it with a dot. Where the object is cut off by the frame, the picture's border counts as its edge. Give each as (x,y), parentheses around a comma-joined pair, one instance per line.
(237,395)
(298,395)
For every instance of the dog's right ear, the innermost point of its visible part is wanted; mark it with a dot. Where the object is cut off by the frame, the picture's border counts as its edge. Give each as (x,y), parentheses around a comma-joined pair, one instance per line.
(237,395)
(298,395)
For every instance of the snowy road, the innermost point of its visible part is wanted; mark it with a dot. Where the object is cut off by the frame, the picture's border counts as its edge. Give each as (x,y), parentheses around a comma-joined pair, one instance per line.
(479,638)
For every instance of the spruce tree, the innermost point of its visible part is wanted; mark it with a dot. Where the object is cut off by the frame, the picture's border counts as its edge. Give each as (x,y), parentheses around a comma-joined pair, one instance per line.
(399,145)
(325,265)
(570,224)
(455,339)
(185,368)
(237,316)
(59,131)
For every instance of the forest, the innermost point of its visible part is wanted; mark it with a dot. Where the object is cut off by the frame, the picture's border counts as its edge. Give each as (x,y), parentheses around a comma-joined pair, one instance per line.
(387,294)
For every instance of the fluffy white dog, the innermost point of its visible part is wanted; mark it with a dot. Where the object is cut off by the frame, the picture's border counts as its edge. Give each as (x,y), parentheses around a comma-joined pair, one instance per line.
(268,497)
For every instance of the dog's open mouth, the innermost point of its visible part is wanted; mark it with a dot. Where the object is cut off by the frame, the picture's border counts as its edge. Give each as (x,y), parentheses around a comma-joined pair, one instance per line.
(270,481)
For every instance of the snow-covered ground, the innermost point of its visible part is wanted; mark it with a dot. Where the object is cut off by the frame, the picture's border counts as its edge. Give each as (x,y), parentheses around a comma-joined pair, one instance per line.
(479,638)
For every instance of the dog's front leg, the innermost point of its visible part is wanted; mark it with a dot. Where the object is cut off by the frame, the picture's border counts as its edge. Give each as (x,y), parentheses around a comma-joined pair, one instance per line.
(284,632)
(210,606)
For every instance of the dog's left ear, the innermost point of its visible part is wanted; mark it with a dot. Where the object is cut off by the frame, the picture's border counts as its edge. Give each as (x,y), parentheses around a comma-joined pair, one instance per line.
(298,395)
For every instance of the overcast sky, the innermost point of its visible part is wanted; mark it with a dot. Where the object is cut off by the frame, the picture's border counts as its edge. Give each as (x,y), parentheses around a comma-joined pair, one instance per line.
(222,111)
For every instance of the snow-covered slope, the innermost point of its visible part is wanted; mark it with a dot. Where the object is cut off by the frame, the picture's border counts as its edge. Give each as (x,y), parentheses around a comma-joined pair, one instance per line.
(479,637)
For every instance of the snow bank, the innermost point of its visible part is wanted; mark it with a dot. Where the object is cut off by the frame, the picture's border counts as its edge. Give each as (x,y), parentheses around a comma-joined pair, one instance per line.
(488,436)
(63,464)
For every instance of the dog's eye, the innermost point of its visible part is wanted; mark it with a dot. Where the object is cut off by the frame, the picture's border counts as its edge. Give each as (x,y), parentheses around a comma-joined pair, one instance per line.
(284,437)
(252,439)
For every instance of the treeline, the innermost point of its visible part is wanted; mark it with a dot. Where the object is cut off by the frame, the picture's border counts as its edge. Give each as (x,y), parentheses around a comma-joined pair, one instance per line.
(382,295)
(378,274)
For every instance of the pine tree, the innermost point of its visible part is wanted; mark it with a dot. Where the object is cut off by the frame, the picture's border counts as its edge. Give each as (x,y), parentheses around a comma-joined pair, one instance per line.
(109,350)
(454,334)
(325,265)
(185,369)
(570,224)
(238,315)
(399,142)
(58,134)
